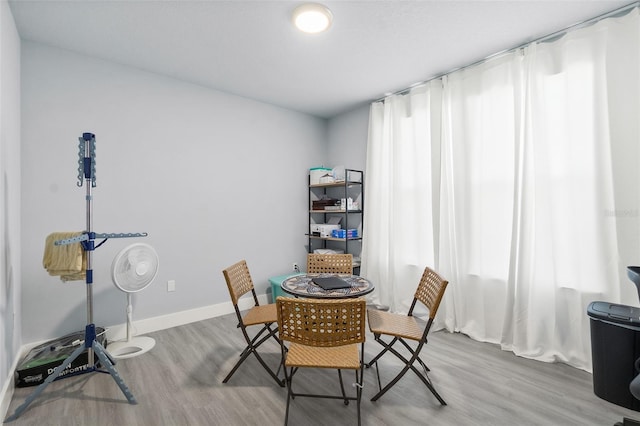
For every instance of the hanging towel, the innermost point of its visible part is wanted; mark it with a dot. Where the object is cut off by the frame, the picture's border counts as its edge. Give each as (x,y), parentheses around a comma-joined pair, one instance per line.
(68,260)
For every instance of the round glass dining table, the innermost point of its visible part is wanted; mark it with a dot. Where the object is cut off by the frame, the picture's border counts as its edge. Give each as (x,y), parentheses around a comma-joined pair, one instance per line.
(304,286)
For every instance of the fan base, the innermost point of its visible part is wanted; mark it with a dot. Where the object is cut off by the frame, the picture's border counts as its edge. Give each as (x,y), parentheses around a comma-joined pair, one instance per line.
(130,348)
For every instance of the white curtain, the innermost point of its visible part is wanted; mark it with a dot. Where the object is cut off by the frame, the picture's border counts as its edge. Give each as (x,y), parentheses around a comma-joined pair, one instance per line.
(532,206)
(399,191)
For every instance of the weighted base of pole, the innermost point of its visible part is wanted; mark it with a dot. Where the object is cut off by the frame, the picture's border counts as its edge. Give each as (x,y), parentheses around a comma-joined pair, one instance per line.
(105,361)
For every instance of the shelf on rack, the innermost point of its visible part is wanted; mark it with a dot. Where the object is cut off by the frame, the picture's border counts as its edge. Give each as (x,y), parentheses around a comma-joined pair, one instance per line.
(347,192)
(333,239)
(334,184)
(335,211)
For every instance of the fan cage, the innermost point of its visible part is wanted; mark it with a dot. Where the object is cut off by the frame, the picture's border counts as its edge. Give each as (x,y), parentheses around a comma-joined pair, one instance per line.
(135,267)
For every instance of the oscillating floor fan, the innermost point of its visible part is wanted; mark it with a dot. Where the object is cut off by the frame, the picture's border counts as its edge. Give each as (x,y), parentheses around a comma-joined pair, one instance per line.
(132,270)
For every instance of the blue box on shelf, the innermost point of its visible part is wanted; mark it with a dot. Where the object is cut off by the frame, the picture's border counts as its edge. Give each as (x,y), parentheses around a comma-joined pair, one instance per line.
(344,233)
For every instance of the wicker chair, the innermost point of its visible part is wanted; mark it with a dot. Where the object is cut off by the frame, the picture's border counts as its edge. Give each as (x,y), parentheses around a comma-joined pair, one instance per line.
(329,263)
(405,327)
(239,283)
(322,334)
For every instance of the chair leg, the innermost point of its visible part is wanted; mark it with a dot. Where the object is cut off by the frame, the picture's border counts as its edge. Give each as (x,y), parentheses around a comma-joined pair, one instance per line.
(344,395)
(412,352)
(399,376)
(292,371)
(390,384)
(408,366)
(382,352)
(377,376)
(251,349)
(289,372)
(269,370)
(273,333)
(244,355)
(429,385)
(359,392)
(248,352)
(289,397)
(251,343)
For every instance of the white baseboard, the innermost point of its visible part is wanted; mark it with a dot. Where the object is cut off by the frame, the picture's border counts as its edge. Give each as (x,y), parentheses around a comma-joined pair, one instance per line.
(7,390)
(163,322)
(148,325)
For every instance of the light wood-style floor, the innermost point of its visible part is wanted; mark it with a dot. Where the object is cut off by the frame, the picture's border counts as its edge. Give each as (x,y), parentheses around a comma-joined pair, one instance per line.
(180,383)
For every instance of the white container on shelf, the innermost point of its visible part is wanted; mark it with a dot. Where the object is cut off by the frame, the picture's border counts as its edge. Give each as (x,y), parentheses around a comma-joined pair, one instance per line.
(328,251)
(323,229)
(316,173)
(327,179)
(338,173)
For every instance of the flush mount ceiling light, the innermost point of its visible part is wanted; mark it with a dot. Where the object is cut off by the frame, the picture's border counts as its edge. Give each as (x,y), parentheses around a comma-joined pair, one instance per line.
(312,18)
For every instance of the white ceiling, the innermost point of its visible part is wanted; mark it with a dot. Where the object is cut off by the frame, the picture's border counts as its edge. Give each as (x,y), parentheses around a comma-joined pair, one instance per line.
(250,48)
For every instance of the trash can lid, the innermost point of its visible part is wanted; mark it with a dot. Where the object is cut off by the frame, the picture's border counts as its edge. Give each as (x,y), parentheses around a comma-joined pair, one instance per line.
(612,312)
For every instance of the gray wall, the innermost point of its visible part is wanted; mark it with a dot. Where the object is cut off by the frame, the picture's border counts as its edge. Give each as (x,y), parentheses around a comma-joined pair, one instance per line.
(213,178)
(348,134)
(10,315)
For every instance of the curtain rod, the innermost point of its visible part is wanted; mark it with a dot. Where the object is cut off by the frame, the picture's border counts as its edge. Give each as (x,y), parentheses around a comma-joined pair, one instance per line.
(549,37)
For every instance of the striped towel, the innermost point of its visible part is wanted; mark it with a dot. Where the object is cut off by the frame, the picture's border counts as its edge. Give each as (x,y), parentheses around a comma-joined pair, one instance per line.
(67,261)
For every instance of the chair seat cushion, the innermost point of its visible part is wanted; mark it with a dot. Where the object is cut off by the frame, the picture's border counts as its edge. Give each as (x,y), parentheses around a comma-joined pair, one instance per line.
(341,357)
(261,314)
(381,322)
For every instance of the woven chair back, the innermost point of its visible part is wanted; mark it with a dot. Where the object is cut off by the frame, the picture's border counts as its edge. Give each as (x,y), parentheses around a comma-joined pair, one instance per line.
(329,263)
(430,290)
(238,279)
(322,323)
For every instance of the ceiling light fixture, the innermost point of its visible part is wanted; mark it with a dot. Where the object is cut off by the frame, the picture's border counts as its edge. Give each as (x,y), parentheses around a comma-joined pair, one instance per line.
(312,18)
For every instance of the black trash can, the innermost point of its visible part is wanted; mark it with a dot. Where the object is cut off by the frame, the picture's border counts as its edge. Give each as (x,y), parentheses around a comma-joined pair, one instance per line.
(615,346)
